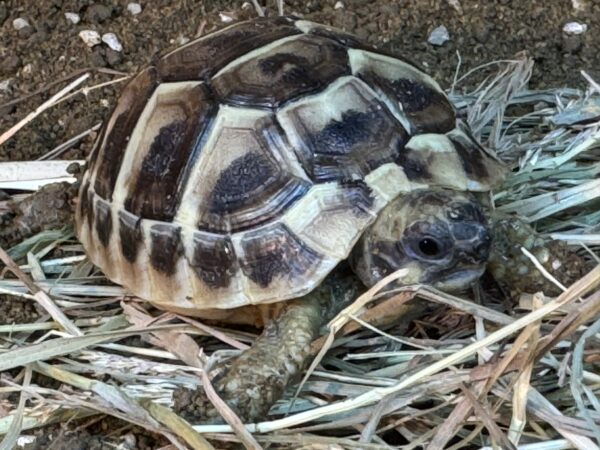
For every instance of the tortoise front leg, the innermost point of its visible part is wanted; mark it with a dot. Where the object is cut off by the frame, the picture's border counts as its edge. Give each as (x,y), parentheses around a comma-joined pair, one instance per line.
(48,208)
(256,379)
(511,267)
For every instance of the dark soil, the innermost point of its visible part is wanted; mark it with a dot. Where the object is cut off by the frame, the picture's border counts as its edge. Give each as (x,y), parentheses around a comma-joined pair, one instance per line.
(37,61)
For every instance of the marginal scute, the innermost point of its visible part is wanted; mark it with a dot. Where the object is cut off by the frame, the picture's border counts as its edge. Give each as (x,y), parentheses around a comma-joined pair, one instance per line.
(165,247)
(130,235)
(164,143)
(414,97)
(331,217)
(246,175)
(344,132)
(214,260)
(118,129)
(274,252)
(281,72)
(454,161)
(482,168)
(104,224)
(203,57)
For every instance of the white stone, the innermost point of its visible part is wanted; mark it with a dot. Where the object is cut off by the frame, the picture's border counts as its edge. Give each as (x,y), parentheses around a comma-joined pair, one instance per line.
(20,23)
(339,5)
(182,40)
(575,28)
(72,17)
(226,18)
(439,36)
(112,41)
(134,8)
(5,85)
(90,37)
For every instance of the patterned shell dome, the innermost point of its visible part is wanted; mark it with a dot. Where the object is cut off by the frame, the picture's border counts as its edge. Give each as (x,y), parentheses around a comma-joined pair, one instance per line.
(242,167)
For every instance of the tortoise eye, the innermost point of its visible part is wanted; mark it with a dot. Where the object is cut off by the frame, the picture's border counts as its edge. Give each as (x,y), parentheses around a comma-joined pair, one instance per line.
(429,241)
(429,247)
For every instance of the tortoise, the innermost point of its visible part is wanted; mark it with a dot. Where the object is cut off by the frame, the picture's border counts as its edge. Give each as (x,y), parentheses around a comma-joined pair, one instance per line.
(252,165)
(241,168)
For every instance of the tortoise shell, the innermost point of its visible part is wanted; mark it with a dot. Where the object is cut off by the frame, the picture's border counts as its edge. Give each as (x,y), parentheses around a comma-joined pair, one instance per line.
(242,167)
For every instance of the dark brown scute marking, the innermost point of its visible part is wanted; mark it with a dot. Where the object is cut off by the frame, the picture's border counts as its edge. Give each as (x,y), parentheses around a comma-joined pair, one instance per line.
(130,233)
(472,157)
(266,205)
(89,195)
(165,247)
(299,67)
(257,187)
(269,254)
(103,220)
(155,193)
(130,105)
(356,144)
(84,204)
(359,196)
(428,110)
(244,175)
(414,164)
(203,59)
(214,260)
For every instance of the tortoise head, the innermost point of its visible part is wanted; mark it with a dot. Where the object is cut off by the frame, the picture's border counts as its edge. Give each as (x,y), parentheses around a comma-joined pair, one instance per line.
(441,236)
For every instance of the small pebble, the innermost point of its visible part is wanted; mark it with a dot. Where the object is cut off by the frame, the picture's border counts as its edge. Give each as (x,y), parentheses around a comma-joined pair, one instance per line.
(112,41)
(5,86)
(338,5)
(575,28)
(72,17)
(439,36)
(226,18)
(134,8)
(10,65)
(20,23)
(98,13)
(182,40)
(113,58)
(27,70)
(90,37)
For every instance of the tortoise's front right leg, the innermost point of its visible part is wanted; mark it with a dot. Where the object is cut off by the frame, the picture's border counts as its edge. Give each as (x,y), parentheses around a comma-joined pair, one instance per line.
(48,208)
(256,379)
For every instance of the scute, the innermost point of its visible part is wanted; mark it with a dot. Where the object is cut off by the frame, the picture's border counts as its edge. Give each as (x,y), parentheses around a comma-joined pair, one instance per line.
(166,140)
(203,57)
(278,73)
(344,132)
(414,97)
(243,167)
(246,175)
(113,139)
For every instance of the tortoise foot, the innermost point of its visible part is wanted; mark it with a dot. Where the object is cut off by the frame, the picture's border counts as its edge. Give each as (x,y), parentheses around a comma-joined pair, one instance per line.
(258,377)
(48,208)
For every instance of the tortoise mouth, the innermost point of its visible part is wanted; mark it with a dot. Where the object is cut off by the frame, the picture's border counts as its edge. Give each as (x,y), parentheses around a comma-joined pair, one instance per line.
(459,280)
